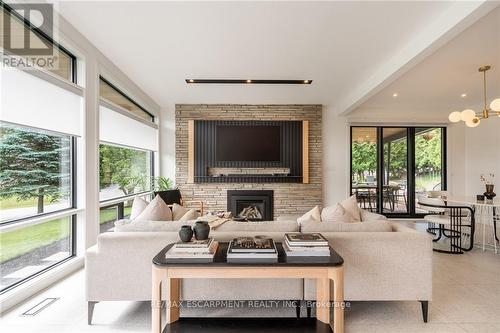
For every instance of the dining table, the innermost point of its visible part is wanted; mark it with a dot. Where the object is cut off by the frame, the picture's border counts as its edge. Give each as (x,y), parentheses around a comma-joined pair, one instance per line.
(484,211)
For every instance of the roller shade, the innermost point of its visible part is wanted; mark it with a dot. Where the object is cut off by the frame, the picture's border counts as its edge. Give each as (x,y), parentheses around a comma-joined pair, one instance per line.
(118,128)
(27,99)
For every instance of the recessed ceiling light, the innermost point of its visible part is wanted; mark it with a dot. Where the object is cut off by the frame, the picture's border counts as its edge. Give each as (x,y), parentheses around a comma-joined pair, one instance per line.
(248,81)
(463,95)
(395,95)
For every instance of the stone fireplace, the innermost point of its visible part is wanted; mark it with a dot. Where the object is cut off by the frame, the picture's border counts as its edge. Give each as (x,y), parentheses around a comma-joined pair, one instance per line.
(289,198)
(254,205)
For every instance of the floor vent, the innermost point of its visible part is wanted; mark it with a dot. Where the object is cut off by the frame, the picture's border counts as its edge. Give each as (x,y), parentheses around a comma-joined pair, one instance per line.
(40,306)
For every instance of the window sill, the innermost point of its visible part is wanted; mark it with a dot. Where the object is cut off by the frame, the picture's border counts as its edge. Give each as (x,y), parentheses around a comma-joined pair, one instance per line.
(29,288)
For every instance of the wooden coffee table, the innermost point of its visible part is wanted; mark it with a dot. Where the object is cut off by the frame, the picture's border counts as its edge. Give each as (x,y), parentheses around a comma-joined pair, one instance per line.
(323,270)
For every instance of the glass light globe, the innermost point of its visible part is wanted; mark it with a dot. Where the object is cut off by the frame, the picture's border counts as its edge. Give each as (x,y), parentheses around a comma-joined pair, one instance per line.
(467,115)
(474,122)
(455,117)
(495,104)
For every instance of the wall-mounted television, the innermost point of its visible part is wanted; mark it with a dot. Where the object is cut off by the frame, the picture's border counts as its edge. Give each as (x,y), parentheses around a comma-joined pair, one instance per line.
(252,143)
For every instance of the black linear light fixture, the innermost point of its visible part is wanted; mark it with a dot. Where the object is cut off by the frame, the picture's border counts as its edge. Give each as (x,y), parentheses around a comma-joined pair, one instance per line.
(246,81)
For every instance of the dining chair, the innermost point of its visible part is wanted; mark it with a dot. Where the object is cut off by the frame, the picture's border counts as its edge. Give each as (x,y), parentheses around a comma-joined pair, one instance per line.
(455,223)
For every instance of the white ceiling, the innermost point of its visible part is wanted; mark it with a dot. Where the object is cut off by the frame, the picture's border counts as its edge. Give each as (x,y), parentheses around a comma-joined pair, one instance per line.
(160,44)
(433,88)
(339,45)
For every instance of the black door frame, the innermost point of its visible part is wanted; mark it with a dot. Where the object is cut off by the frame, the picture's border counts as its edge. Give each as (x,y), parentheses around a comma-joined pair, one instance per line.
(411,167)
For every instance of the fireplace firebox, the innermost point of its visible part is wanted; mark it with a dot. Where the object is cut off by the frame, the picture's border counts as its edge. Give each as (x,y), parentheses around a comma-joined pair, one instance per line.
(254,205)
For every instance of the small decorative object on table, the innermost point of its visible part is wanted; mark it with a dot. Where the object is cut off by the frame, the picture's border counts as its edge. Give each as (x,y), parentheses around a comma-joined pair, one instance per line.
(201,230)
(487,180)
(480,197)
(186,233)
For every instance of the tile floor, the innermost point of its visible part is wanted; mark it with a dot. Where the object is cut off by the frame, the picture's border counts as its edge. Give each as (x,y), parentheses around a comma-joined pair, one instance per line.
(466,299)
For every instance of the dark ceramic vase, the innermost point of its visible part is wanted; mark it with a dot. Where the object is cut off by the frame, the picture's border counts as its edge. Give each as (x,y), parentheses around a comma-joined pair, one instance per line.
(201,230)
(186,233)
(489,194)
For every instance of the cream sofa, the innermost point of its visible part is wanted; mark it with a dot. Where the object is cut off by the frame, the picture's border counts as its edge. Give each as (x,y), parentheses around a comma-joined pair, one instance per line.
(383,262)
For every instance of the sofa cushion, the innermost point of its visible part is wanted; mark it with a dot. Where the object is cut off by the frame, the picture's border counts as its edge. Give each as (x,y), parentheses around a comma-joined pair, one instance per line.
(371,226)
(351,207)
(265,226)
(178,211)
(138,207)
(335,214)
(191,214)
(157,210)
(313,215)
(145,226)
(369,216)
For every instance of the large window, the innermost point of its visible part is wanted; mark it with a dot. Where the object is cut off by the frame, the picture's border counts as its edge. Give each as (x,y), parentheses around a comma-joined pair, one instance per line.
(391,166)
(39,126)
(125,161)
(36,179)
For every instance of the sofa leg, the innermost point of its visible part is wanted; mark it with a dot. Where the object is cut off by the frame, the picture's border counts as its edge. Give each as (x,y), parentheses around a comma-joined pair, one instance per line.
(297,308)
(425,309)
(90,311)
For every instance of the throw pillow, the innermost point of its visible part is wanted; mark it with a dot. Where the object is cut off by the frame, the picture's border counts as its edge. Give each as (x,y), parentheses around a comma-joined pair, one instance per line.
(351,207)
(314,215)
(178,211)
(191,214)
(335,214)
(138,207)
(157,210)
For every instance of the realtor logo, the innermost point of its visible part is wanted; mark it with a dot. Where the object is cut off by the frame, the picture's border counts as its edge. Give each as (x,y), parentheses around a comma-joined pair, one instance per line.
(18,38)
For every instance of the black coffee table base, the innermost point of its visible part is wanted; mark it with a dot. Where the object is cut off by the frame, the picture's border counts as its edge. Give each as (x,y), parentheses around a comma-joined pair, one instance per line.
(247,325)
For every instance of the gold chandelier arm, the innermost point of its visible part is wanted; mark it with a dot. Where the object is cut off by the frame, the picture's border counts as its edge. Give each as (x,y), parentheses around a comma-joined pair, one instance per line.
(484,91)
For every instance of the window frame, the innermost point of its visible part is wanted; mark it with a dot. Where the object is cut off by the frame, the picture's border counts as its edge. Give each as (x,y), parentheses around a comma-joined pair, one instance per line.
(411,165)
(72,213)
(42,35)
(73,181)
(119,91)
(73,247)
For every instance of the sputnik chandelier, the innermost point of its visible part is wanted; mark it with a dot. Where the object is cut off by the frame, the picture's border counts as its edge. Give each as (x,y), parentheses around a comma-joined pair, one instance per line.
(469,116)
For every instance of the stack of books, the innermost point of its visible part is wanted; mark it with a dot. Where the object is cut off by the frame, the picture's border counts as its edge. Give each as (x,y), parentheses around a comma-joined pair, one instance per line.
(306,245)
(252,250)
(198,251)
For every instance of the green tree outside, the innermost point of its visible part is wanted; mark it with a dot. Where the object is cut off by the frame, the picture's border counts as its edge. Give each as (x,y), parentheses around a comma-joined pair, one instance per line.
(34,165)
(427,158)
(125,167)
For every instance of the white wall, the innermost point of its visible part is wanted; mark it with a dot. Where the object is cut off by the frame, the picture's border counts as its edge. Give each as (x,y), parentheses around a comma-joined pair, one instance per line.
(167,142)
(482,155)
(456,158)
(335,157)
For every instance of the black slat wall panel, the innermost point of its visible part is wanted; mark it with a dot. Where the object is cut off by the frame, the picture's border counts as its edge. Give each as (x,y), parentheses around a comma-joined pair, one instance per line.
(291,153)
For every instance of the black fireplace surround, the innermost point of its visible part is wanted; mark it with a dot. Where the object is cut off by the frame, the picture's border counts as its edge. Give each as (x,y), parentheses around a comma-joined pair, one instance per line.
(262,200)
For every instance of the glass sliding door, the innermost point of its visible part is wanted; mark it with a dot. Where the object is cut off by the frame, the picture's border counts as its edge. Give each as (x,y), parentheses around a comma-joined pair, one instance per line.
(364,166)
(395,170)
(392,166)
(429,171)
